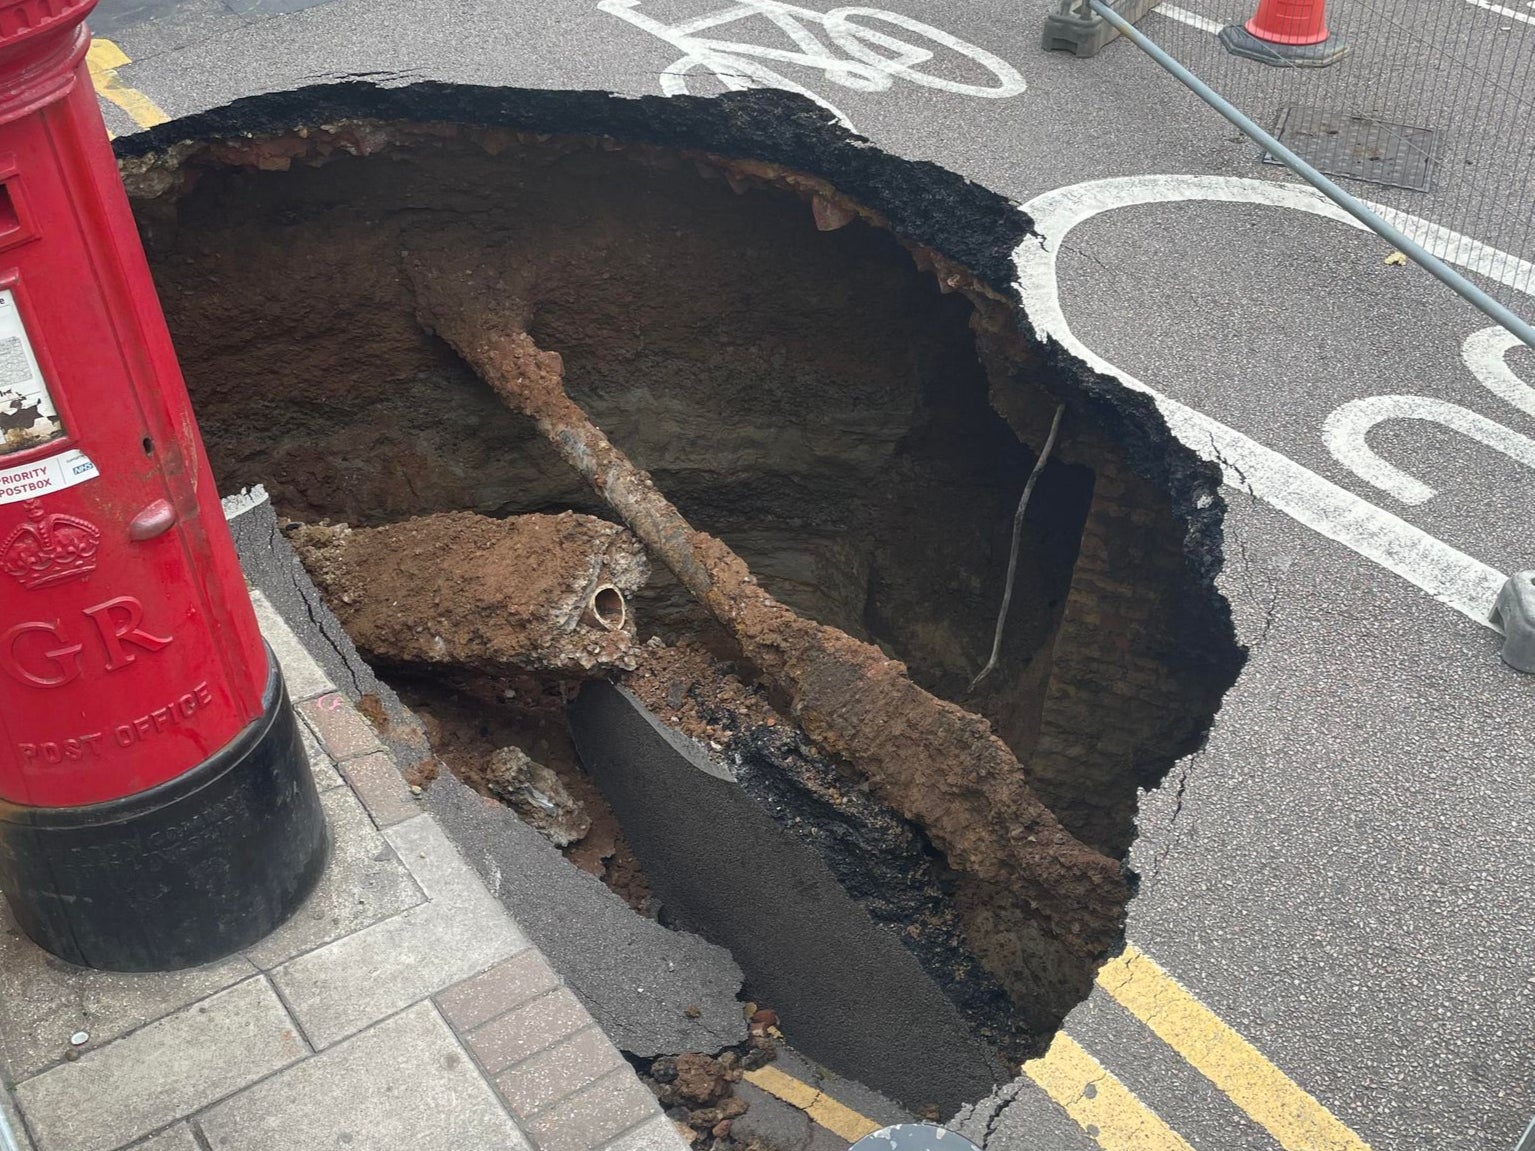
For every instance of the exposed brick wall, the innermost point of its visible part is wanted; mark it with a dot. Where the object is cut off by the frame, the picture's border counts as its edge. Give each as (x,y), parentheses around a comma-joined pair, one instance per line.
(1118,707)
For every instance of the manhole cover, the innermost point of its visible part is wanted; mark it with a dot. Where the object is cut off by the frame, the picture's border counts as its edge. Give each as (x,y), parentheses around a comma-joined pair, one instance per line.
(1340,144)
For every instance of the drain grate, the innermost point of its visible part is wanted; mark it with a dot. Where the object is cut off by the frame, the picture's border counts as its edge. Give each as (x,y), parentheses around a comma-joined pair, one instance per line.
(1342,144)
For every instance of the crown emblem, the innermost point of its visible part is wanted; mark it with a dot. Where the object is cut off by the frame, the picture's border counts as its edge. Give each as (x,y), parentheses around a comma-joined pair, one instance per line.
(47,549)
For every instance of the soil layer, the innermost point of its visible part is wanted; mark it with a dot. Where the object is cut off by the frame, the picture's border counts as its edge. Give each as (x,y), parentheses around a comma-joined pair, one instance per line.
(815,355)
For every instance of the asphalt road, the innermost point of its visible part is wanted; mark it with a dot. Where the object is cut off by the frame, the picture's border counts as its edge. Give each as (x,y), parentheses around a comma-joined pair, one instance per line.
(1343,875)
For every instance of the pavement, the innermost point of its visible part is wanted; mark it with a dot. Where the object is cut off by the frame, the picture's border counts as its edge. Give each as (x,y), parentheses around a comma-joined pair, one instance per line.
(401,1006)
(1332,941)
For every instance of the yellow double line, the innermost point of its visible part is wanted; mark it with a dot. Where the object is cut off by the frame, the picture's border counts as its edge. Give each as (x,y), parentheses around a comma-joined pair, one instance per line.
(1112,1114)
(102,61)
(823,1110)
(1104,1107)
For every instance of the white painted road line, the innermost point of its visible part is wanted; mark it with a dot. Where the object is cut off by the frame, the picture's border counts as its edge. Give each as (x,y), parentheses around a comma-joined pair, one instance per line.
(1502,11)
(1484,352)
(1346,428)
(1446,574)
(871,61)
(1192,19)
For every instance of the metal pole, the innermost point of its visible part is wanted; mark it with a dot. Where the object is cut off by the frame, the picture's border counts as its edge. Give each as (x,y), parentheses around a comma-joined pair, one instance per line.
(7,1139)
(1430,263)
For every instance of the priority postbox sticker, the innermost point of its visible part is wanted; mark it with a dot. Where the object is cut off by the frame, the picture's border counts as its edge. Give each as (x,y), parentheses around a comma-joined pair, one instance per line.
(28,481)
(27,413)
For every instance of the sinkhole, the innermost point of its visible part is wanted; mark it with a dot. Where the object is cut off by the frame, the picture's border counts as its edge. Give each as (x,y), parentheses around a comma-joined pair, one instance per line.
(813,350)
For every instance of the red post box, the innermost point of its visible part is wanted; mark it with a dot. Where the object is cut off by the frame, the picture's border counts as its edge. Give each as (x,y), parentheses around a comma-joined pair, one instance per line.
(156,808)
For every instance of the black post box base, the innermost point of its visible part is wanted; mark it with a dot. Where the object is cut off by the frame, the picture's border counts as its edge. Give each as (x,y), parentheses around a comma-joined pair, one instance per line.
(185,873)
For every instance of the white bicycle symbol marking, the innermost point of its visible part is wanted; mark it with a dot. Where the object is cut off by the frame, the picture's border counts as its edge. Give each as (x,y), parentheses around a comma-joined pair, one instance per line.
(872,60)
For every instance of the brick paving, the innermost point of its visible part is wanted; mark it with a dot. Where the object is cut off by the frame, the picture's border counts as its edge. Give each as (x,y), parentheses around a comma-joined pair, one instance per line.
(400,1006)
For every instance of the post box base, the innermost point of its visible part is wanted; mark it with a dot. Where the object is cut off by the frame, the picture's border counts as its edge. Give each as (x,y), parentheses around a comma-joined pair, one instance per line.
(185,873)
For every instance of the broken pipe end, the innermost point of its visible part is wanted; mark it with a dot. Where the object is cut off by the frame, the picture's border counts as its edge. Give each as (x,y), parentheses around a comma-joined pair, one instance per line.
(606,609)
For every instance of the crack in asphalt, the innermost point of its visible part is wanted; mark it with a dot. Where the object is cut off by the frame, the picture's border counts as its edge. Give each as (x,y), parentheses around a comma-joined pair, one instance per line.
(1185,772)
(966,1118)
(316,620)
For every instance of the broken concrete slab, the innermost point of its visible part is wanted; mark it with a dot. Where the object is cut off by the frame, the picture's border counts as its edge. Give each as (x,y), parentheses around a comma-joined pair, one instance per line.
(636,977)
(759,886)
(533,593)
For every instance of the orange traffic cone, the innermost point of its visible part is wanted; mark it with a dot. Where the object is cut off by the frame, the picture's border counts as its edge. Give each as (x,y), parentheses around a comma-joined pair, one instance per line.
(1290,21)
(1289,33)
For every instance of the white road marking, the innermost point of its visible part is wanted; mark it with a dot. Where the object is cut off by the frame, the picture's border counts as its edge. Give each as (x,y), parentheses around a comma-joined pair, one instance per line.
(1484,352)
(1502,11)
(1346,429)
(1443,572)
(1457,248)
(1192,19)
(872,59)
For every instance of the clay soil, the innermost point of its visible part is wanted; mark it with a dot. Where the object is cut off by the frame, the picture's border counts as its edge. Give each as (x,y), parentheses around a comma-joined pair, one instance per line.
(468,591)
(815,403)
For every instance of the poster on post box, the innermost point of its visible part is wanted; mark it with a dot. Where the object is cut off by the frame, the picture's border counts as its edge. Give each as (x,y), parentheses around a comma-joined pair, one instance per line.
(27,415)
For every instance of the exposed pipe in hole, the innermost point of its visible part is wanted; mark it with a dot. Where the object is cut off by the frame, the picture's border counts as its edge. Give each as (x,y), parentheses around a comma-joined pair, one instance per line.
(932,760)
(842,409)
(606,609)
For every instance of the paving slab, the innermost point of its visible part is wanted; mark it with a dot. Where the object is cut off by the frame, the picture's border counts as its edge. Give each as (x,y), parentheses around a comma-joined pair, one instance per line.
(382,789)
(162,1072)
(177,1138)
(497,991)
(43,1000)
(544,1079)
(406,1083)
(656,1134)
(344,986)
(527,1030)
(364,882)
(613,1105)
(342,730)
(305,678)
(320,764)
